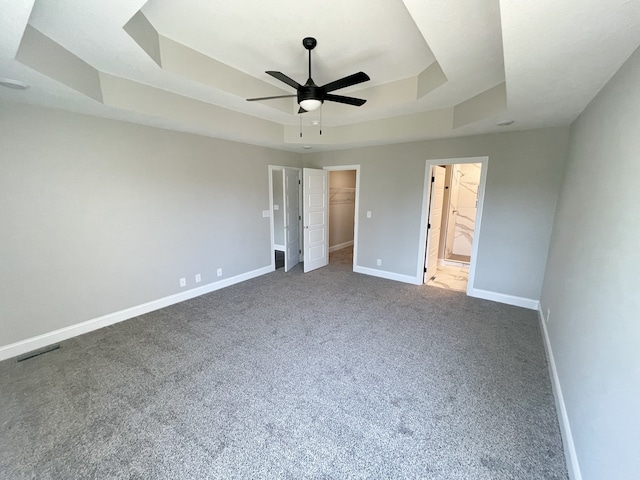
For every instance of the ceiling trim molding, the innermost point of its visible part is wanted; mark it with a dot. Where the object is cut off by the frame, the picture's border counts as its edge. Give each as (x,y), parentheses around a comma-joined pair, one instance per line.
(48,57)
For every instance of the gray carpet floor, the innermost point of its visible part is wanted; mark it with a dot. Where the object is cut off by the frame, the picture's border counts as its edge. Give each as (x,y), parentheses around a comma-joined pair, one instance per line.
(325,375)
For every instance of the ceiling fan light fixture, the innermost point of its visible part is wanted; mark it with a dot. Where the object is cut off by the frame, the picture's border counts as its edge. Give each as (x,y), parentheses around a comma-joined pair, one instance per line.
(310,104)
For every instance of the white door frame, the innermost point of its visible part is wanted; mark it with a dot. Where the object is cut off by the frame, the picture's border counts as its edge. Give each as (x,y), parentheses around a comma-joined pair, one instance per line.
(426,195)
(356,208)
(272,228)
(279,168)
(294,173)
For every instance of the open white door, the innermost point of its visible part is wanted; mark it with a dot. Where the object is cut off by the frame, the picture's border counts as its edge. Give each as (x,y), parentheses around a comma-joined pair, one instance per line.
(315,212)
(291,187)
(434,221)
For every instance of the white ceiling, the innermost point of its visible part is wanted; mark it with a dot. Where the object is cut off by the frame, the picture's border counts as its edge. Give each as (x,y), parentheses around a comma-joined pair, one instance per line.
(437,68)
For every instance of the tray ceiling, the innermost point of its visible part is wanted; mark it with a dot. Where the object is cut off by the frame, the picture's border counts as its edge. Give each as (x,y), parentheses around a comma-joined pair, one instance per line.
(437,68)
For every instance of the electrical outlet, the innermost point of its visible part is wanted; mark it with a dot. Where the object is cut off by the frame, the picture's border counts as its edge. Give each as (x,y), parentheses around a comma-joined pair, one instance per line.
(219,272)
(198,278)
(379,262)
(548,314)
(183,282)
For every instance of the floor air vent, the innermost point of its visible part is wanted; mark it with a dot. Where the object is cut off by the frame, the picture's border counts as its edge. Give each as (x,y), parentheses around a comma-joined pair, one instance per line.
(35,353)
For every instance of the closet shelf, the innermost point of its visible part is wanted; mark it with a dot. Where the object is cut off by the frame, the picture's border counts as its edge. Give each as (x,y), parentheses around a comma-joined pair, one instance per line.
(342,195)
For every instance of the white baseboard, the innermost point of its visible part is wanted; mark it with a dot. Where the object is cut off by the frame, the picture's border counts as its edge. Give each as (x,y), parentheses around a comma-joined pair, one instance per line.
(565,427)
(388,275)
(24,346)
(529,303)
(340,246)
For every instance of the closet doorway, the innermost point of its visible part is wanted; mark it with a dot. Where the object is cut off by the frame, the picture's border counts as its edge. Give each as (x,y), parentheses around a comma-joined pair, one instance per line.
(454,194)
(343,214)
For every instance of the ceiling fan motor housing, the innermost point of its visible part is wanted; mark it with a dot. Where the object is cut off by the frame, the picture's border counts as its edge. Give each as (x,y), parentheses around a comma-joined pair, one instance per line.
(311,91)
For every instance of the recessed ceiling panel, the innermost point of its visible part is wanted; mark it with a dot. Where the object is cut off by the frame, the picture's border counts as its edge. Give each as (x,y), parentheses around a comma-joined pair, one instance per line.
(438,68)
(379,38)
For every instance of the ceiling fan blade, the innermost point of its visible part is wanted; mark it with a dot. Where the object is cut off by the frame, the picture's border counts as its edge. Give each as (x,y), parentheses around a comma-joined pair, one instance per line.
(342,99)
(346,81)
(302,110)
(283,78)
(269,98)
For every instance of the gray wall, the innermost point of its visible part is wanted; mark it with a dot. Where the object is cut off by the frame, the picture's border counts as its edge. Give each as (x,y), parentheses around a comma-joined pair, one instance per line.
(591,283)
(99,215)
(523,181)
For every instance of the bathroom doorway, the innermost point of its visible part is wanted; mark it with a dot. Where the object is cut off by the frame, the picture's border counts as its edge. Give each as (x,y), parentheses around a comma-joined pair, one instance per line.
(454,191)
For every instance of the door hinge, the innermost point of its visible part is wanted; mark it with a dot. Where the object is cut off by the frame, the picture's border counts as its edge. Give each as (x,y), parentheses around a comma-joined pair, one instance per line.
(428,226)
(299,217)
(425,269)
(299,251)
(433,179)
(299,182)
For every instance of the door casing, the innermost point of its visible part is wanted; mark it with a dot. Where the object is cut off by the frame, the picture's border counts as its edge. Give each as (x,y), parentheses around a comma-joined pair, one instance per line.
(292,216)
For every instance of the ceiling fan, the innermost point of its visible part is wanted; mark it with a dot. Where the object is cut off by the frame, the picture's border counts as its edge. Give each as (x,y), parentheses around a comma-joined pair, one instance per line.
(311,96)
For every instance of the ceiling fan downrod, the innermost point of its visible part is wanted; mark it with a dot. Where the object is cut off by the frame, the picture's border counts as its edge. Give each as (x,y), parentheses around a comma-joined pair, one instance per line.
(309,43)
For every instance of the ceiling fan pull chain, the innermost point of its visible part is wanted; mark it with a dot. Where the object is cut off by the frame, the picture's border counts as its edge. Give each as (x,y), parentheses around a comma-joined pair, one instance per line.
(320,119)
(300,117)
